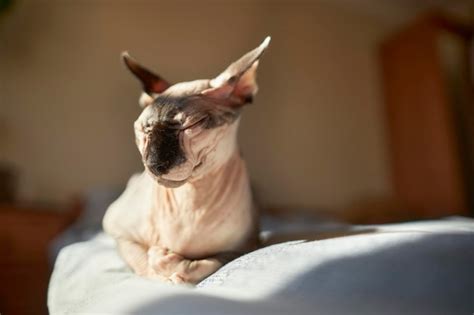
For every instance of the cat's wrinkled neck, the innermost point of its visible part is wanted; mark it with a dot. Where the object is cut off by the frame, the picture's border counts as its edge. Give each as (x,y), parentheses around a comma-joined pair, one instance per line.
(209,191)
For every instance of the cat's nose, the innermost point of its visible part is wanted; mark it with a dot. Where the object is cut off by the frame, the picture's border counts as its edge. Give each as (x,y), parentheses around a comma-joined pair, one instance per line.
(163,150)
(157,169)
(156,160)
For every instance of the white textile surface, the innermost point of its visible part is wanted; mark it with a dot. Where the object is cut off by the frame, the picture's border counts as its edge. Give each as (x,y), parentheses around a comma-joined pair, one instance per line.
(411,268)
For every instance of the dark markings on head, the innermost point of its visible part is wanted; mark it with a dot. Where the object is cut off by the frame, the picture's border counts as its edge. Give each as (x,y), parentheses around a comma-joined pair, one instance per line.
(164,149)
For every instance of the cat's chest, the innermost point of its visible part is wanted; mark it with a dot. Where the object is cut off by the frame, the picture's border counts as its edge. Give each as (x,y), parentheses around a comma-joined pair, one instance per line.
(203,231)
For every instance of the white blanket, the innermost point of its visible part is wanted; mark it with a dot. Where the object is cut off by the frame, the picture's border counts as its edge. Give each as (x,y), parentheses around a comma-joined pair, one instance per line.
(412,268)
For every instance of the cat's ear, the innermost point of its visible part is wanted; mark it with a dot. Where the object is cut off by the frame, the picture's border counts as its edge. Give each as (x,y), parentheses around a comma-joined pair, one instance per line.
(152,83)
(237,84)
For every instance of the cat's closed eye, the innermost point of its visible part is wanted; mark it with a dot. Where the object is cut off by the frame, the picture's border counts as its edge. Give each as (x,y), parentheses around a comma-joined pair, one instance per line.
(197,123)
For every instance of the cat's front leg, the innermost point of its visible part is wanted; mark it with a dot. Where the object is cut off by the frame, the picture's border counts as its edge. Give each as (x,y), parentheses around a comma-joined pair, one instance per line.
(177,269)
(137,258)
(193,271)
(163,261)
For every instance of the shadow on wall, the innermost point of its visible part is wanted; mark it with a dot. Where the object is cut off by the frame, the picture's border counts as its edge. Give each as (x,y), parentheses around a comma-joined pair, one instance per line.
(430,275)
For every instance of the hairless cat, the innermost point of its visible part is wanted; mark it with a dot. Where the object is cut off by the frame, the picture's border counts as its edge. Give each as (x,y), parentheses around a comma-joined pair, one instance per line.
(191,210)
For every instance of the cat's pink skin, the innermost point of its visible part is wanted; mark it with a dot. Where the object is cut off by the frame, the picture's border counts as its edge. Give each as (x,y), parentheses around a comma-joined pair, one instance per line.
(173,233)
(181,234)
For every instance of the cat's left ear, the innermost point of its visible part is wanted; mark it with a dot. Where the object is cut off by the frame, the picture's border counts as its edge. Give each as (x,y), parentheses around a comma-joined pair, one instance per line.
(152,83)
(237,85)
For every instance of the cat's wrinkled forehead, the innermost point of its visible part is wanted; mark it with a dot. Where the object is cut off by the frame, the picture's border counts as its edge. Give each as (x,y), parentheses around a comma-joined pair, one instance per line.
(163,109)
(176,110)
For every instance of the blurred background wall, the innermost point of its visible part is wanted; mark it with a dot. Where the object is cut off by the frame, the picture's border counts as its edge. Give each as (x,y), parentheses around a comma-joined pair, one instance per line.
(315,136)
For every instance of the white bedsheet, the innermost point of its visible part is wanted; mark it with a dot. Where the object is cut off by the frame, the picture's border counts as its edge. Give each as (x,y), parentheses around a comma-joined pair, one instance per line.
(412,268)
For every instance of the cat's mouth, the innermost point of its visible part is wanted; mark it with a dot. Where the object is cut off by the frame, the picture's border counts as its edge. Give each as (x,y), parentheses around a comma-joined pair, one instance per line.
(172,182)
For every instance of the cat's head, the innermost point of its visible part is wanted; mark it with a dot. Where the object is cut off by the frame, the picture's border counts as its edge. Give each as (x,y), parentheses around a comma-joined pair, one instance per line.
(189,128)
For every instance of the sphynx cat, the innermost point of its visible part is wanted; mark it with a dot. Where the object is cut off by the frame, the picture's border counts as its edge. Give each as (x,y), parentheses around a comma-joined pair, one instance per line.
(191,210)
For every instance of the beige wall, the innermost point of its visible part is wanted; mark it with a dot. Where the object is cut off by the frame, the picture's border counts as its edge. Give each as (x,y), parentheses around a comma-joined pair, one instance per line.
(314,137)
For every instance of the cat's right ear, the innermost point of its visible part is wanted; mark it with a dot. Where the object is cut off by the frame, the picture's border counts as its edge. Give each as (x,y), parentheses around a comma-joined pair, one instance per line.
(152,83)
(237,85)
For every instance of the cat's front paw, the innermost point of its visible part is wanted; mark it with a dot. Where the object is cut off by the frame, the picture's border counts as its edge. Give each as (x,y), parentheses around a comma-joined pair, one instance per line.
(163,261)
(177,278)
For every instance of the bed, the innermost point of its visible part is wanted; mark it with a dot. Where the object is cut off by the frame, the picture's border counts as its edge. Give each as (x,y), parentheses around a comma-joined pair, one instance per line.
(424,267)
